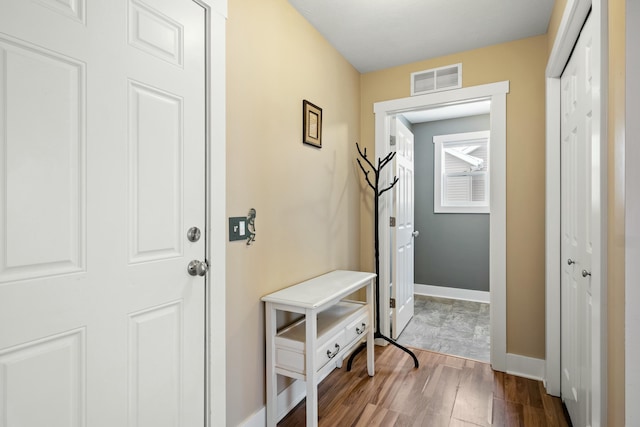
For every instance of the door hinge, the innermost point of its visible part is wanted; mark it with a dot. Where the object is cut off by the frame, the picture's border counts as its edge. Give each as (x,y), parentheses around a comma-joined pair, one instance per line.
(392,221)
(392,140)
(392,302)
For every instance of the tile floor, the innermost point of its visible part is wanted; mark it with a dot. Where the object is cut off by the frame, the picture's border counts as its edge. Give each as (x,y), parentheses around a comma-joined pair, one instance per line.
(455,327)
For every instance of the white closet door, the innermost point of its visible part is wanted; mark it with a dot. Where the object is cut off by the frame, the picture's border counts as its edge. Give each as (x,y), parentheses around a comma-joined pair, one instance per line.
(576,244)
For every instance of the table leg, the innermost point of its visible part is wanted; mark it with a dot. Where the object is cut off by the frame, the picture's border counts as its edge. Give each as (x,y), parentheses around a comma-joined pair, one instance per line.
(272,383)
(371,370)
(311,378)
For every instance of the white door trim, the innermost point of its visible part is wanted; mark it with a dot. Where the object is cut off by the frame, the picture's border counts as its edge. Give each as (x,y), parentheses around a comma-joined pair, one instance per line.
(216,404)
(632,217)
(497,92)
(573,18)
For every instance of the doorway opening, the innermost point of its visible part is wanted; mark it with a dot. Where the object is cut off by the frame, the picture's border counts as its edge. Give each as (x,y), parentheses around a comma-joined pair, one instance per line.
(496,94)
(451,247)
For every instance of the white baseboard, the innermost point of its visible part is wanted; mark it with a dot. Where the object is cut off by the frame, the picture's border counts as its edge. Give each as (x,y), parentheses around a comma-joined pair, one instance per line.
(527,367)
(259,419)
(452,293)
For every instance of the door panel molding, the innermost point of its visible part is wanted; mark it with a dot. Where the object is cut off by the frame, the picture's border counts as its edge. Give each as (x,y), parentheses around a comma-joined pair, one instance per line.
(56,241)
(60,363)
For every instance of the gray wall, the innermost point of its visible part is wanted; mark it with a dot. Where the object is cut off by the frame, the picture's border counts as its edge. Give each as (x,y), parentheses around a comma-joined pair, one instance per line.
(452,249)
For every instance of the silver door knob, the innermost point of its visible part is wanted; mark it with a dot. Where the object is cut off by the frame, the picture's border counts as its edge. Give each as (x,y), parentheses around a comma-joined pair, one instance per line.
(586,273)
(415,233)
(197,268)
(570,261)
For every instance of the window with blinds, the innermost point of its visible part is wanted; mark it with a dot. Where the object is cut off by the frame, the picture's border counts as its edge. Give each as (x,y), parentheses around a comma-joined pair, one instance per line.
(461,173)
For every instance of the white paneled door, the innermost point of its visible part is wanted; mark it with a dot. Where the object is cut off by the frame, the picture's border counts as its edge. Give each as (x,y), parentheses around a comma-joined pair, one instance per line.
(402,235)
(102,143)
(576,243)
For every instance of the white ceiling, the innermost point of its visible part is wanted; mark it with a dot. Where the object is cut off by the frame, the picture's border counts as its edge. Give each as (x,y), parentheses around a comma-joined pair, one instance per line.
(377,34)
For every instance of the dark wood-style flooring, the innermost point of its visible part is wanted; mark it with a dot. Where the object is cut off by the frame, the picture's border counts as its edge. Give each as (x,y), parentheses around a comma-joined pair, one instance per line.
(444,391)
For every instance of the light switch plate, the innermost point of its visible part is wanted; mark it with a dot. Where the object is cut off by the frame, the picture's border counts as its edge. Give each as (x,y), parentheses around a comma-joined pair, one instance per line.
(237,228)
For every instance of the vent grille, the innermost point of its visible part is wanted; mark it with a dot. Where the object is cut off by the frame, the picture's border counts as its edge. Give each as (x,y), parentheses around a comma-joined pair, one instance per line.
(436,79)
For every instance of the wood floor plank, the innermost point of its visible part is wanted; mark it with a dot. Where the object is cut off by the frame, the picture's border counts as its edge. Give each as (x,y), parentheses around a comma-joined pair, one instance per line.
(390,419)
(408,396)
(425,419)
(461,423)
(375,416)
(343,415)
(553,409)
(398,377)
(534,395)
(514,414)
(474,401)
(516,389)
(367,415)
(446,391)
(534,417)
(498,384)
(498,413)
(405,420)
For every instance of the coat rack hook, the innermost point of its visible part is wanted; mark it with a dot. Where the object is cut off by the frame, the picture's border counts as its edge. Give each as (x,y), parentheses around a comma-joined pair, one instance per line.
(251,226)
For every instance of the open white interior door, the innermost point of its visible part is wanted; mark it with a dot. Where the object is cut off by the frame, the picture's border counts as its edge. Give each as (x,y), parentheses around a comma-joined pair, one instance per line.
(102,174)
(402,235)
(576,225)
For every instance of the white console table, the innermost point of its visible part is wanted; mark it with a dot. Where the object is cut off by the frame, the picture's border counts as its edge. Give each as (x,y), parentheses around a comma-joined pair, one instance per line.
(312,347)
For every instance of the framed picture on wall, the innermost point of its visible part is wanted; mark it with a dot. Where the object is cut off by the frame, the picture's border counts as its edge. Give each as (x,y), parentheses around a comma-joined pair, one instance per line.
(311,124)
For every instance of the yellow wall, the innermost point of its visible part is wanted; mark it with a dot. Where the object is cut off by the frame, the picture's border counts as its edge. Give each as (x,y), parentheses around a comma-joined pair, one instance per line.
(307,199)
(616,227)
(523,63)
(554,22)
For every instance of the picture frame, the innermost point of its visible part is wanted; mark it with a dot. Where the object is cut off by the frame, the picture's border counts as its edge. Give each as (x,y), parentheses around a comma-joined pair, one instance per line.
(311,124)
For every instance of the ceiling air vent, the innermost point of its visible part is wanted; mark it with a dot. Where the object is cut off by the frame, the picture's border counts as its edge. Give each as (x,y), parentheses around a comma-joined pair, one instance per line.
(436,79)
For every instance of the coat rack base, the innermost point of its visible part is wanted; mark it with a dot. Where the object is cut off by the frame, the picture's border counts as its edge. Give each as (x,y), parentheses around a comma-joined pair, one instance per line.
(390,341)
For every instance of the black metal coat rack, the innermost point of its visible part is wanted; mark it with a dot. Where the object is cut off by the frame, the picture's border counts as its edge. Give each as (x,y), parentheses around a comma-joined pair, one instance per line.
(376,196)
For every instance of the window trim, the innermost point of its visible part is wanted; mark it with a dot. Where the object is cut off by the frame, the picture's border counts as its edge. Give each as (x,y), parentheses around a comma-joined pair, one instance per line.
(470,207)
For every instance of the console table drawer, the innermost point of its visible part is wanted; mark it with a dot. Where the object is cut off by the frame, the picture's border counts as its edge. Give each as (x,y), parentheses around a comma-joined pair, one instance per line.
(357,328)
(336,330)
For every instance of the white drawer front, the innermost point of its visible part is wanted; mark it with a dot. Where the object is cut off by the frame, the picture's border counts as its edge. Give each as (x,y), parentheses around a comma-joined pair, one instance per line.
(357,328)
(330,349)
(289,359)
(293,360)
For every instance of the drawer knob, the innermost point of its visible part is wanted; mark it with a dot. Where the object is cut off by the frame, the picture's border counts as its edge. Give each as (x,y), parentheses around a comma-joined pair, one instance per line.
(332,355)
(360,329)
